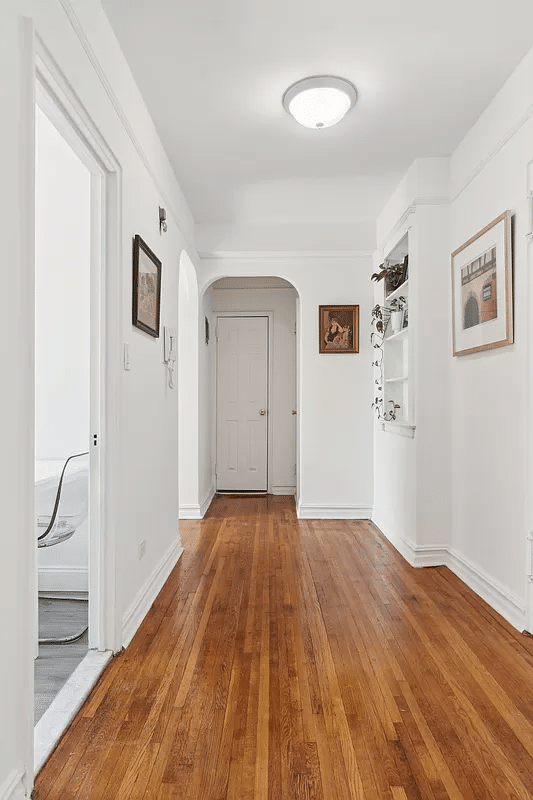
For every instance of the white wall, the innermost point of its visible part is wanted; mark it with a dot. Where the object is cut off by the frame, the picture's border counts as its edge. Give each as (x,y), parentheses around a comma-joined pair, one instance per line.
(281,301)
(187,373)
(334,411)
(145,428)
(412,476)
(489,393)
(62,331)
(206,367)
(477,519)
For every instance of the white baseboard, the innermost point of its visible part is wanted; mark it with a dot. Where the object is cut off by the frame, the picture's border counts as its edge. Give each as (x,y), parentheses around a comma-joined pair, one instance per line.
(141,605)
(189,511)
(496,595)
(13,787)
(64,578)
(313,511)
(285,490)
(198,510)
(208,499)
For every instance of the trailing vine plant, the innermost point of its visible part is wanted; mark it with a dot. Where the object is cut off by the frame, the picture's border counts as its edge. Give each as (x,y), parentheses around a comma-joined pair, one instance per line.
(380,320)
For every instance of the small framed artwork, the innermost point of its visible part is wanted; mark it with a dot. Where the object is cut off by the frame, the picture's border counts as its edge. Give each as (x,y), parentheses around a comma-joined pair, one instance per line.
(338,329)
(482,289)
(146,288)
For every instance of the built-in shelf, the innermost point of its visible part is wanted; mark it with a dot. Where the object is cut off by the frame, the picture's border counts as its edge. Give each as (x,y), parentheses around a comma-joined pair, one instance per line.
(397,380)
(396,336)
(397,292)
(400,428)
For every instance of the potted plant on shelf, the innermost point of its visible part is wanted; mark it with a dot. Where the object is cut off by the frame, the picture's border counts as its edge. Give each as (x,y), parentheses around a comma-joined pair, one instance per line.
(397,309)
(380,319)
(394,275)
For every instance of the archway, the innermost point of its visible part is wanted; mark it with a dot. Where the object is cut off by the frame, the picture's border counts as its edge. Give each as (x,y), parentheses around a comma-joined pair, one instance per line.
(471,313)
(277,300)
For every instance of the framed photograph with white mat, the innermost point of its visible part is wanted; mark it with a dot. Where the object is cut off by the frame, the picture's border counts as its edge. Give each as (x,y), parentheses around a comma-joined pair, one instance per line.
(482,289)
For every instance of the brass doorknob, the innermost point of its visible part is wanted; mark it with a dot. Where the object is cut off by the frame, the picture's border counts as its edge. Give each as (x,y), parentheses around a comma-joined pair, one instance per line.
(262,412)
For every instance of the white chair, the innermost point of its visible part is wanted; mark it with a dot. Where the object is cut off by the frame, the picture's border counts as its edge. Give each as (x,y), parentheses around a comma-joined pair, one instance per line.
(61,506)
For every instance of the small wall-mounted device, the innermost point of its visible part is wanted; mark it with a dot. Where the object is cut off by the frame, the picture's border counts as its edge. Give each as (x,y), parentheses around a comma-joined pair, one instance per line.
(170,352)
(163,220)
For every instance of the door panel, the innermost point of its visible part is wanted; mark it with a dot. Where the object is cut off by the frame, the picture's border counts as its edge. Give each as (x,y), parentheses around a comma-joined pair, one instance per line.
(242,392)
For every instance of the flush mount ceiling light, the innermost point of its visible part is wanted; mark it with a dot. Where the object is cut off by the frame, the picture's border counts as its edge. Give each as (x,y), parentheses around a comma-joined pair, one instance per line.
(320,101)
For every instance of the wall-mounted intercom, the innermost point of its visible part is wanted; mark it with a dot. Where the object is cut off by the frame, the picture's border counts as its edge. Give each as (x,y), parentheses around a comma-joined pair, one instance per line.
(170,352)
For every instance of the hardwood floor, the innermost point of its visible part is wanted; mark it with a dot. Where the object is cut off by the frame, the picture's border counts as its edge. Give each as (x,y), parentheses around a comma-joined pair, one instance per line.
(288,660)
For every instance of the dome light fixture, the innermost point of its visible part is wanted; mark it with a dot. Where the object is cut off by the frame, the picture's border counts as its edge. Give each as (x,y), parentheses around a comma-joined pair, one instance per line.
(320,101)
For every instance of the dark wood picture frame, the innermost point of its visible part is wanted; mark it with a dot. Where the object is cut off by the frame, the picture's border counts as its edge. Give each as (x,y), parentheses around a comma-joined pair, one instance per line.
(338,329)
(146,306)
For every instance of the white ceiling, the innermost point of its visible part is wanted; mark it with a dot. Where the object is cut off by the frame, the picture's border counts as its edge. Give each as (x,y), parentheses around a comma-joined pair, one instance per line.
(212,73)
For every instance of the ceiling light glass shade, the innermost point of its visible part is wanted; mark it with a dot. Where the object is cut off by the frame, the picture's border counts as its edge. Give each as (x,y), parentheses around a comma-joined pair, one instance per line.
(319,102)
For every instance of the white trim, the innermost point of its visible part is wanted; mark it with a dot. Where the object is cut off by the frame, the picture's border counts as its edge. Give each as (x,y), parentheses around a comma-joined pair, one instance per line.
(399,428)
(148,593)
(496,595)
(190,511)
(57,99)
(13,786)
(284,490)
(66,704)
(405,547)
(63,578)
(529,234)
(197,511)
(80,33)
(494,152)
(314,511)
(427,555)
(208,499)
(281,255)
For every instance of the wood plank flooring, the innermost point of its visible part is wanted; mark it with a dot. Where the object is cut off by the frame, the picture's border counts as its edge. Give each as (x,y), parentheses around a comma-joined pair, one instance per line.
(288,660)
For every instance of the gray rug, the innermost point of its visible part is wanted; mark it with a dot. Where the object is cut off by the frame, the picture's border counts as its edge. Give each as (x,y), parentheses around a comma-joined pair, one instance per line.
(57,662)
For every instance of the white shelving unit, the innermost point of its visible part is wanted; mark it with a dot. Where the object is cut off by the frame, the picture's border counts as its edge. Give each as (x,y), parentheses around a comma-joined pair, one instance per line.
(396,351)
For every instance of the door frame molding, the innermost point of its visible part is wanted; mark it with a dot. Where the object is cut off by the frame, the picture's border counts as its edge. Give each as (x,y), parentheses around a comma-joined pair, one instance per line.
(270,445)
(57,100)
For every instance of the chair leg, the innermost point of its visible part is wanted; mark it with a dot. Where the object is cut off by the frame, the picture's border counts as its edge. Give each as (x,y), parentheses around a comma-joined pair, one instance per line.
(65,639)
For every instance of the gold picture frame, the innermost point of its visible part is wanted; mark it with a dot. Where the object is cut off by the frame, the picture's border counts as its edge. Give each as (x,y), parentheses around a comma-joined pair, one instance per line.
(338,329)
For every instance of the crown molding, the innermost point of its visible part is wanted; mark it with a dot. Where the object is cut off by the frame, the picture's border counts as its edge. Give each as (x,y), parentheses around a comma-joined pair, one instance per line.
(281,255)
(409,211)
(91,55)
(526,116)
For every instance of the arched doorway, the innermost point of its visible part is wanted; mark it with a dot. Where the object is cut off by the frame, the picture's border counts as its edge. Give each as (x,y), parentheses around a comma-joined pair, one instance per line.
(254,449)
(471,313)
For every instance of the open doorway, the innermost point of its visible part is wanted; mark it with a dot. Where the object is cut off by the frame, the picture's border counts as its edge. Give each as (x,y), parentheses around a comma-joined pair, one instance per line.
(62,408)
(255,385)
(77,282)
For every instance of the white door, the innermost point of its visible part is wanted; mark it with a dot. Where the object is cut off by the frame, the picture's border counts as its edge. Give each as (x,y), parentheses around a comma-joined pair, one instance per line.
(242,413)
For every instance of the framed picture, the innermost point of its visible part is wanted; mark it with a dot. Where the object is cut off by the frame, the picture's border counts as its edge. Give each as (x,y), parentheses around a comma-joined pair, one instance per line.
(146,288)
(338,329)
(482,289)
